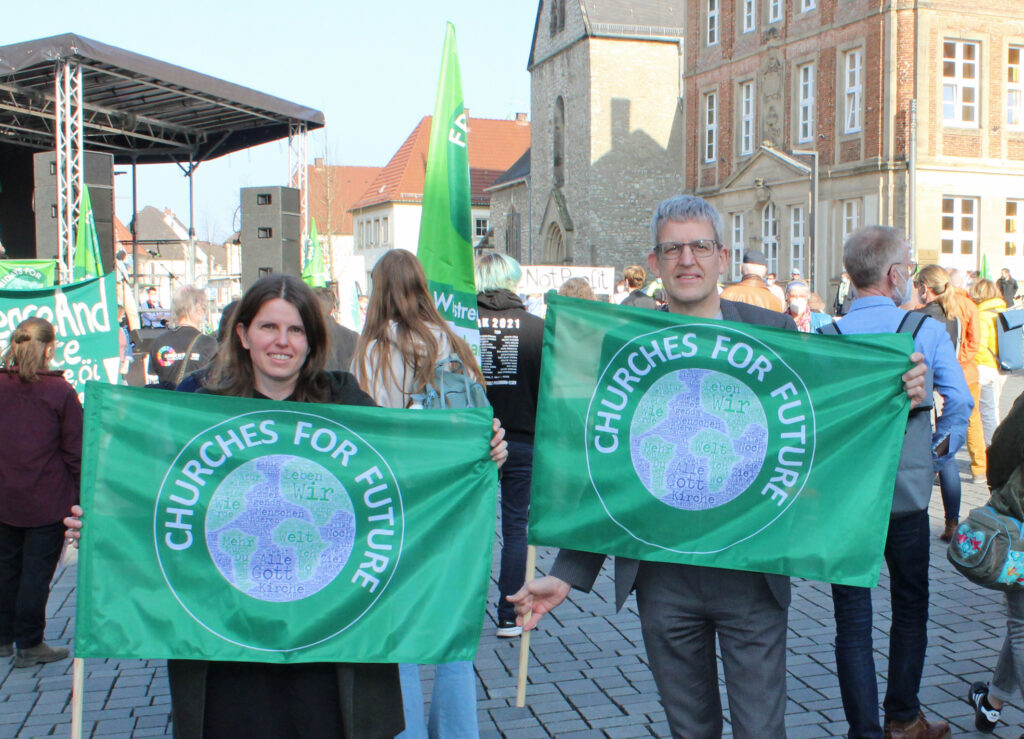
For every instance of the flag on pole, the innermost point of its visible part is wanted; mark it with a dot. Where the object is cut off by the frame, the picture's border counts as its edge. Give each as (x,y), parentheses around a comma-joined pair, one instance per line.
(87,262)
(282,532)
(674,439)
(985,274)
(314,273)
(445,246)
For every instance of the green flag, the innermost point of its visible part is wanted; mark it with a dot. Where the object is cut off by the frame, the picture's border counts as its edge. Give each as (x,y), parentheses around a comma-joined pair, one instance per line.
(27,274)
(282,532)
(675,439)
(445,248)
(984,273)
(314,273)
(87,261)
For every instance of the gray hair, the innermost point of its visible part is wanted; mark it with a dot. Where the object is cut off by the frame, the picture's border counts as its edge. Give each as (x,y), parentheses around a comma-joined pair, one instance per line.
(870,251)
(497,271)
(682,208)
(797,283)
(187,301)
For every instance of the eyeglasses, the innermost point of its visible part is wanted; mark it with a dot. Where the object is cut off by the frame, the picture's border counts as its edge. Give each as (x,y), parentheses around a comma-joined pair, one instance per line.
(671,251)
(912,265)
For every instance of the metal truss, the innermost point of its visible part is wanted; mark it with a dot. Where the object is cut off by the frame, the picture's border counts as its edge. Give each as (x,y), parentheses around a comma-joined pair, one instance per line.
(298,175)
(68,140)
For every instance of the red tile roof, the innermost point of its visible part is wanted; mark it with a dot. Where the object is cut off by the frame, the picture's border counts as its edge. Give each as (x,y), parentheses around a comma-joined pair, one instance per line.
(332,190)
(494,146)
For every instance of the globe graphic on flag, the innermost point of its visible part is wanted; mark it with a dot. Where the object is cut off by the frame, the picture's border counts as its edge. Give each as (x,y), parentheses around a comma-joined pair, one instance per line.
(280,528)
(698,439)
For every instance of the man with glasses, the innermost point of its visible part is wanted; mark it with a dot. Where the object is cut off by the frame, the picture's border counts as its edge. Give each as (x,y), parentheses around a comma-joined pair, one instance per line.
(682,607)
(878,261)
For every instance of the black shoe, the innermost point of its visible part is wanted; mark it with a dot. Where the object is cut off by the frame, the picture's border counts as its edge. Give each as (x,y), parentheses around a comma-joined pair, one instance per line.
(6,650)
(40,654)
(507,628)
(985,717)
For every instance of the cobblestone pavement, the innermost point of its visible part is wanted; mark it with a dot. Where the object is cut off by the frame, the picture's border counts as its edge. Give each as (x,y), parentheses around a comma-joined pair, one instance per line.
(588,673)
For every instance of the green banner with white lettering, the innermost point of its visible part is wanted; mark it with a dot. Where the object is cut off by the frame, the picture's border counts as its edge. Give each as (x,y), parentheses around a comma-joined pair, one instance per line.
(667,438)
(27,274)
(84,315)
(282,532)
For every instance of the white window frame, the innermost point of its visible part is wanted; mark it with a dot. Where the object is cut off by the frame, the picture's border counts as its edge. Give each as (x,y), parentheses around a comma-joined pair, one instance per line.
(746,117)
(959,227)
(385,236)
(808,5)
(961,90)
(476,227)
(749,15)
(712,23)
(851,217)
(774,11)
(710,127)
(1013,245)
(797,238)
(805,102)
(853,67)
(1015,88)
(737,245)
(770,236)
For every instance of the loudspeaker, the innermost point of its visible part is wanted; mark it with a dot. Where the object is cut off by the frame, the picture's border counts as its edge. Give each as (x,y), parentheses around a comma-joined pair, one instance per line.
(98,174)
(270,238)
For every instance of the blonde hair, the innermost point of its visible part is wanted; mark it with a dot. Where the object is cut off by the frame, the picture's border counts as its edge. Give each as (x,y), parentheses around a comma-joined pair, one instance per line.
(27,352)
(983,290)
(577,287)
(936,279)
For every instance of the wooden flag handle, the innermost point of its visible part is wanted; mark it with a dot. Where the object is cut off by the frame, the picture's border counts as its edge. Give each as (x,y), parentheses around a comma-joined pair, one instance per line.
(77,683)
(524,645)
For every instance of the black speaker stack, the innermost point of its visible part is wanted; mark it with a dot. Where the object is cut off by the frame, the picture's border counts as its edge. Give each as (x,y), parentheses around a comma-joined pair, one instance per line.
(270,238)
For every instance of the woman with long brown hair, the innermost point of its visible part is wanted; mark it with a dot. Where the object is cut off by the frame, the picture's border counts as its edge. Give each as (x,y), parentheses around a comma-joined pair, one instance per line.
(40,461)
(403,340)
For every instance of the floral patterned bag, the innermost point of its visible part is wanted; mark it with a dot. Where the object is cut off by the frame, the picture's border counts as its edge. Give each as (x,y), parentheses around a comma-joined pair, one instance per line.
(988,549)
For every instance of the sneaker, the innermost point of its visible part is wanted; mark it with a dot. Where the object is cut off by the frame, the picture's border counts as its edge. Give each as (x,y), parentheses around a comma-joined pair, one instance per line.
(40,654)
(507,628)
(985,717)
(6,650)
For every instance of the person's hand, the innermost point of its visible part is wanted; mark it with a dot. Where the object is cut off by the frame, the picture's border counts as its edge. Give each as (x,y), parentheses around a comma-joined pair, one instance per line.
(538,597)
(499,447)
(73,523)
(913,379)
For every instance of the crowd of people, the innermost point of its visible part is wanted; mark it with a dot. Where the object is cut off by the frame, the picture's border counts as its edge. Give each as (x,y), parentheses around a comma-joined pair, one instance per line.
(280,342)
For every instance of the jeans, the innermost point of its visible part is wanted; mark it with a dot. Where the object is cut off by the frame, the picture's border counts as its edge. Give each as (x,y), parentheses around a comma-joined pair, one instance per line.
(949,484)
(1008,677)
(515,513)
(991,383)
(452,703)
(906,556)
(28,558)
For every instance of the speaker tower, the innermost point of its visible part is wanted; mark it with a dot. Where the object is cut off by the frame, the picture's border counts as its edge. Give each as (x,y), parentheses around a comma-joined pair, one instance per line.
(270,238)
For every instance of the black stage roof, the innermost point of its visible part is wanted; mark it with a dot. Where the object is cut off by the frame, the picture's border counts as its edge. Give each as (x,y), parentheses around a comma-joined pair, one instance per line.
(137,108)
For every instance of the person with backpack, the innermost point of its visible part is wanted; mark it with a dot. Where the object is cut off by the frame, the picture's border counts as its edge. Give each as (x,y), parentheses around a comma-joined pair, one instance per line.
(402,342)
(990,380)
(935,292)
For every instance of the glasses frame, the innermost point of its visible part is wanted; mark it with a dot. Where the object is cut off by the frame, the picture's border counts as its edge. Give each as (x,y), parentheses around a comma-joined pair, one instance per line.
(693,246)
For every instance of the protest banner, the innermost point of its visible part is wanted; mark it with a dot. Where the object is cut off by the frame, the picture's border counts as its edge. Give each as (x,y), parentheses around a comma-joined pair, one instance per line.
(83,315)
(445,248)
(282,532)
(667,438)
(539,278)
(27,274)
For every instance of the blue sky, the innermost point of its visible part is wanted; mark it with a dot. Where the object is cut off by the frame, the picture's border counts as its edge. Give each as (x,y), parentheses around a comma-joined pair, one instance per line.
(371,67)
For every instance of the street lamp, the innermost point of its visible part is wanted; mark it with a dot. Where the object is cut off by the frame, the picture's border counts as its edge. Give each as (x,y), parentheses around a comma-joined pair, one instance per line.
(814,210)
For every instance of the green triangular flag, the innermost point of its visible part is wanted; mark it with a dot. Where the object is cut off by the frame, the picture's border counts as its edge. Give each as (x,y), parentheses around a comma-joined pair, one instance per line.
(87,261)
(313,272)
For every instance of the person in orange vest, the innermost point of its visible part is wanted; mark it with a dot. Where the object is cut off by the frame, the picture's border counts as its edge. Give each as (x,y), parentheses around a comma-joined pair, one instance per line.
(970,341)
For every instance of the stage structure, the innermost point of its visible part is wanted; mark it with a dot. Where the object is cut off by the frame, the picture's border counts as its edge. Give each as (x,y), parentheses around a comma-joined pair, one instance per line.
(70,94)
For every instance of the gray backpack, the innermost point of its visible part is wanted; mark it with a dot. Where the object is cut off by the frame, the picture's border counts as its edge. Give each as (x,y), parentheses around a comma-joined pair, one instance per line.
(451,388)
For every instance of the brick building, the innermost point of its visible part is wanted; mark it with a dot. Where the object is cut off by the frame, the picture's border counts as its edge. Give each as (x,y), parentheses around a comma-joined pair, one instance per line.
(913,113)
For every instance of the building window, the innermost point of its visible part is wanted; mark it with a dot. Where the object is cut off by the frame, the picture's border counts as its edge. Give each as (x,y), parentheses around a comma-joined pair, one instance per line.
(747,118)
(797,238)
(558,142)
(710,127)
(807,5)
(712,22)
(805,98)
(854,90)
(359,235)
(376,232)
(513,246)
(749,15)
(770,236)
(774,11)
(959,226)
(1014,89)
(1014,228)
(480,227)
(557,20)
(960,83)
(737,245)
(851,217)
(384,235)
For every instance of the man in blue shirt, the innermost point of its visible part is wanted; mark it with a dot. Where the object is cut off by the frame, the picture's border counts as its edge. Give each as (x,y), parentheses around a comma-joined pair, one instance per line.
(878,261)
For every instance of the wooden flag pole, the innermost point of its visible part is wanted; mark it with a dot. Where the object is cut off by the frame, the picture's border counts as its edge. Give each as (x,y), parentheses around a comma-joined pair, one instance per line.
(524,645)
(77,683)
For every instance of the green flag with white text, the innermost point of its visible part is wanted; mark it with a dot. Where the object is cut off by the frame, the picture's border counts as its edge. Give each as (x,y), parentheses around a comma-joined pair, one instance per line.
(698,441)
(314,273)
(445,247)
(87,261)
(27,274)
(282,532)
